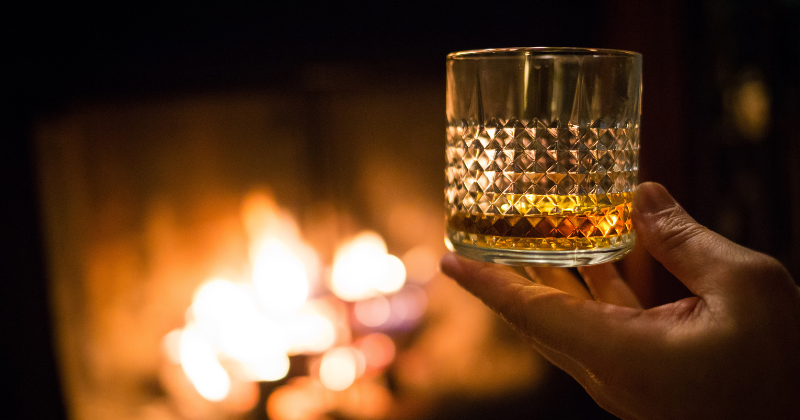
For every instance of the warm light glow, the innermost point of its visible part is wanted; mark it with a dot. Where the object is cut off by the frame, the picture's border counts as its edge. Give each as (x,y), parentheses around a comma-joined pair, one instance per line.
(310,330)
(409,304)
(340,367)
(240,330)
(262,217)
(751,108)
(365,400)
(201,366)
(362,268)
(421,262)
(279,277)
(242,397)
(243,333)
(268,367)
(393,276)
(259,346)
(372,312)
(265,222)
(219,304)
(251,338)
(171,344)
(302,399)
(378,350)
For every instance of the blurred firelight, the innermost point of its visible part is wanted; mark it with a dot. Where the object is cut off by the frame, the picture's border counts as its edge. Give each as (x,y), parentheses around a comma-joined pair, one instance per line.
(240,331)
(311,329)
(243,331)
(340,367)
(171,344)
(372,312)
(409,304)
(303,398)
(306,398)
(200,364)
(421,263)
(362,268)
(279,277)
(220,303)
(378,350)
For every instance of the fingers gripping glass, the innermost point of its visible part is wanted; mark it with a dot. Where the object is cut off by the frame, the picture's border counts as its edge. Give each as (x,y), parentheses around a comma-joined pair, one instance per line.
(542,154)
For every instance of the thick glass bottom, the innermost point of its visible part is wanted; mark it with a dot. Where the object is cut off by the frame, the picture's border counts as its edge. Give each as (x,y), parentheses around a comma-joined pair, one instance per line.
(622,245)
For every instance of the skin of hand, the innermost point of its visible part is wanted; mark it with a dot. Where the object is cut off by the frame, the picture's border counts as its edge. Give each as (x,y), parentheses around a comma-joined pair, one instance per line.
(730,351)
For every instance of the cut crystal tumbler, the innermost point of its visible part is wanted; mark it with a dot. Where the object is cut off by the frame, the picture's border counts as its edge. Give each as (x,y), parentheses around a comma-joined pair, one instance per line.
(542,154)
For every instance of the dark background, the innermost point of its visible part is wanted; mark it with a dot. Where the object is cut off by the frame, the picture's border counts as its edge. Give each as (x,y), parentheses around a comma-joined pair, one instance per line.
(694,53)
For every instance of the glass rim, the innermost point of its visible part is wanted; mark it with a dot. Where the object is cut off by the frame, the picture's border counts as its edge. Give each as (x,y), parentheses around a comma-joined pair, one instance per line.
(518,51)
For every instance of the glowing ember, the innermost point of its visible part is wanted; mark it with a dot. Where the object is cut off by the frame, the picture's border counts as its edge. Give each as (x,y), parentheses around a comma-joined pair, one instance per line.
(200,364)
(362,269)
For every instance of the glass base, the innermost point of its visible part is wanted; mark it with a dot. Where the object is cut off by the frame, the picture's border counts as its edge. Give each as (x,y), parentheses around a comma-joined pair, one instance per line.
(544,258)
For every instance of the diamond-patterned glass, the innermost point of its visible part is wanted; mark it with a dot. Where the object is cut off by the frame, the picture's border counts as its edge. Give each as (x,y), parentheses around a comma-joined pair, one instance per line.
(547,167)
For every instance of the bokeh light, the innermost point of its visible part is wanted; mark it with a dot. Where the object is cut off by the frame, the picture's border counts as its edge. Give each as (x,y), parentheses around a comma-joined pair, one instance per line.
(199,362)
(311,330)
(340,367)
(372,312)
(378,350)
(421,263)
(280,278)
(362,268)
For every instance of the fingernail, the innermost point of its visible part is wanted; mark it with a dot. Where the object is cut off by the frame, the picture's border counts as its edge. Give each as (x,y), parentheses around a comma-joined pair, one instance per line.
(651,197)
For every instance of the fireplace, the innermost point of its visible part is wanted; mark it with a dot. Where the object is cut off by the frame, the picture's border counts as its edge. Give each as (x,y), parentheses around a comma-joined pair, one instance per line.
(262,255)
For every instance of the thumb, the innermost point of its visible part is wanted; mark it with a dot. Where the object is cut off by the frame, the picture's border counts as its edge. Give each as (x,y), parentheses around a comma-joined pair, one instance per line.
(687,249)
(579,329)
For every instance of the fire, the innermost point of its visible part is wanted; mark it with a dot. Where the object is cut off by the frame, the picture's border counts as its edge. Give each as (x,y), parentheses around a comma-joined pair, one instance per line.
(340,367)
(306,398)
(221,304)
(200,364)
(311,330)
(248,329)
(303,399)
(372,312)
(362,268)
(279,277)
(244,331)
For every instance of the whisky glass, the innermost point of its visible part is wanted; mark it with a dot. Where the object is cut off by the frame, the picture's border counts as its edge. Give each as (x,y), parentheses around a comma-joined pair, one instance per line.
(542,154)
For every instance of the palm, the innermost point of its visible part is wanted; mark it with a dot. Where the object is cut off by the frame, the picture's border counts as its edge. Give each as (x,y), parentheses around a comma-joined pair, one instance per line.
(731,350)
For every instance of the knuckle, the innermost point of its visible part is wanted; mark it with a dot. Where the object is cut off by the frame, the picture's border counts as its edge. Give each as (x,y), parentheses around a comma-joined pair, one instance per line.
(771,266)
(767,270)
(676,229)
(514,309)
(760,278)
